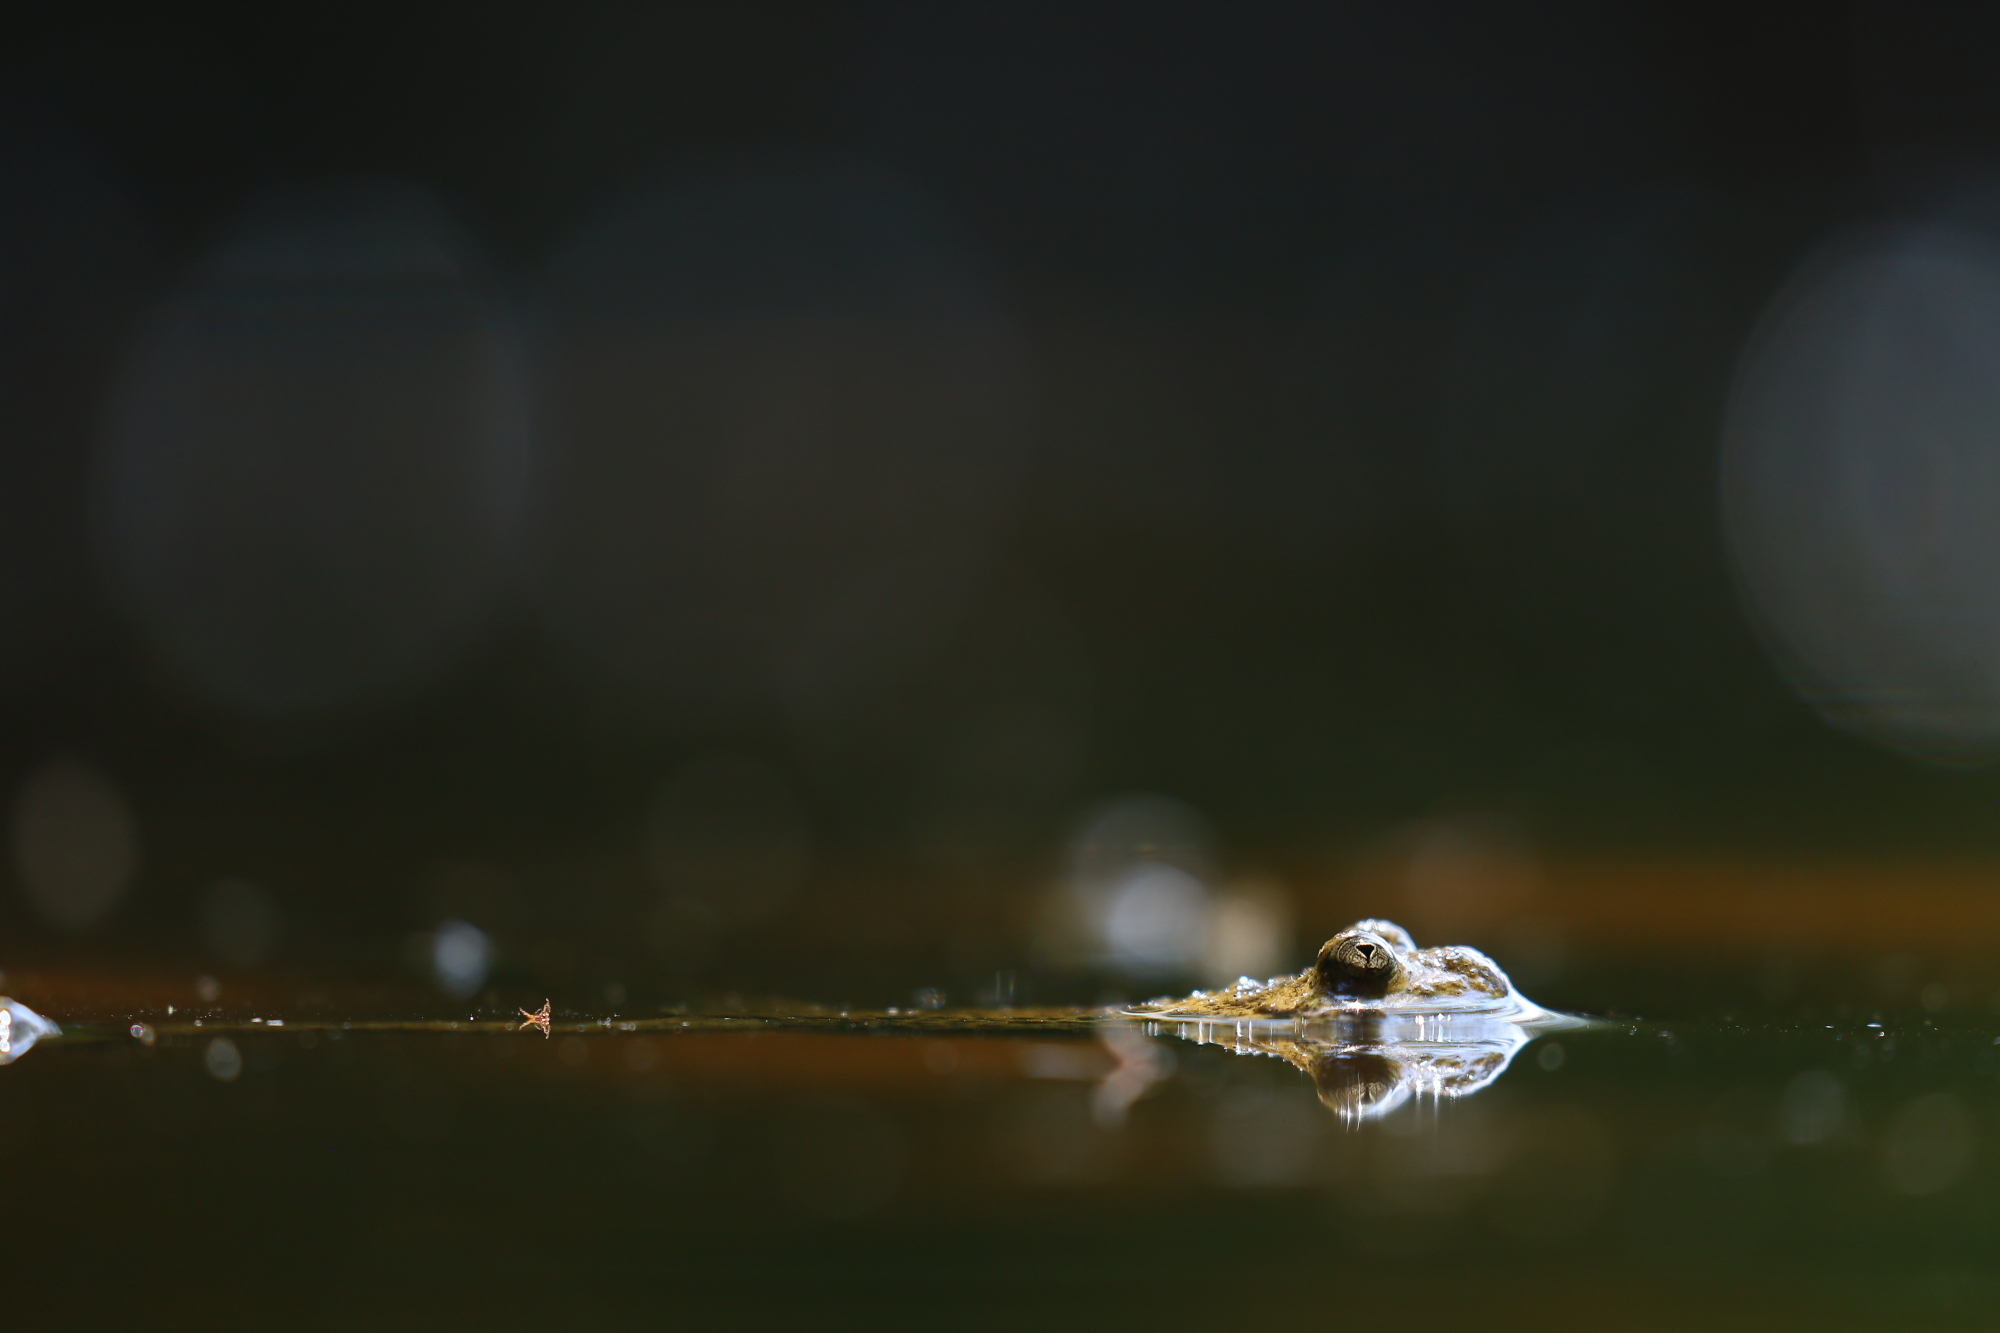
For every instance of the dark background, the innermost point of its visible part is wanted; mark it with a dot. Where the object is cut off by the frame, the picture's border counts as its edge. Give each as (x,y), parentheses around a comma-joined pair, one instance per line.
(1365,367)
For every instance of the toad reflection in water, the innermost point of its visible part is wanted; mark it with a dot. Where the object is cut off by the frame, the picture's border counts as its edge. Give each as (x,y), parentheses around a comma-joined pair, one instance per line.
(1373,1020)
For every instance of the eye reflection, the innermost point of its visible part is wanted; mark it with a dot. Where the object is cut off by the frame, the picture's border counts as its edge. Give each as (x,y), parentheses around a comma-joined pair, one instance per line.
(1357,1085)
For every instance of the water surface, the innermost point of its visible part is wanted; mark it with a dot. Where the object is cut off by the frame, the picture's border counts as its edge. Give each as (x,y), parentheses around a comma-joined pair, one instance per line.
(980,1169)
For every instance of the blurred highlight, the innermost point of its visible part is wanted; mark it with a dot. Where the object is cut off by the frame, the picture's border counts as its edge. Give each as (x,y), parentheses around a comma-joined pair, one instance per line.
(1140,896)
(1861,476)
(222,1060)
(727,839)
(1137,889)
(310,478)
(780,408)
(76,845)
(460,956)
(239,923)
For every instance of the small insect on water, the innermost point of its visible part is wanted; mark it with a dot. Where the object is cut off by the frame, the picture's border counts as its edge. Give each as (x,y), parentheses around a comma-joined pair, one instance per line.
(538,1019)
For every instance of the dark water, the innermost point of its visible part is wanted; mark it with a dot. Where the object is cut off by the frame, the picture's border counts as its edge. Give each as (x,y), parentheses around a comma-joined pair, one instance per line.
(989,1170)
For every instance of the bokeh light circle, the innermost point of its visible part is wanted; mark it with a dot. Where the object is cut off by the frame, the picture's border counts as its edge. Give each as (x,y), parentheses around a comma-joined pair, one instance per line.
(1861,477)
(76,843)
(777,412)
(311,476)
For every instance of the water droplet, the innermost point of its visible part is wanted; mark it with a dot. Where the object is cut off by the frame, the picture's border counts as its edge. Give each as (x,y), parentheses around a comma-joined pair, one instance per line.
(20,1028)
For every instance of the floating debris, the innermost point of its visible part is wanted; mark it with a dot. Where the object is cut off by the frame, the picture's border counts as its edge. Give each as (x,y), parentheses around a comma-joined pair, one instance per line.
(20,1028)
(143,1034)
(538,1019)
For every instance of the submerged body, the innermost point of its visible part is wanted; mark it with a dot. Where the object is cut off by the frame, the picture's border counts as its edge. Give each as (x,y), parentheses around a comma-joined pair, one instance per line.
(1371,967)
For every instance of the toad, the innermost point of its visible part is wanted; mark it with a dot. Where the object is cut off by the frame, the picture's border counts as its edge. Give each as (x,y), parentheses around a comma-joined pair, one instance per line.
(1371,967)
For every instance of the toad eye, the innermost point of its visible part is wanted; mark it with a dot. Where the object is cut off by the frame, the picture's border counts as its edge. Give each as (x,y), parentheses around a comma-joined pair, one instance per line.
(1365,954)
(1358,963)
